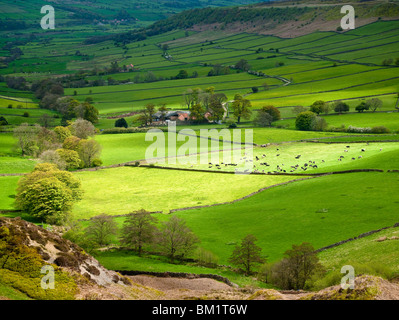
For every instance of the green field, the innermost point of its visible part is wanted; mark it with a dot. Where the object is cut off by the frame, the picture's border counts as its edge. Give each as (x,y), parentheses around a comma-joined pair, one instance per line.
(293,198)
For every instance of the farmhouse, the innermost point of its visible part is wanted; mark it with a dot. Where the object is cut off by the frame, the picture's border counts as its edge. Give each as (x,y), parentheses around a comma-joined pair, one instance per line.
(179,116)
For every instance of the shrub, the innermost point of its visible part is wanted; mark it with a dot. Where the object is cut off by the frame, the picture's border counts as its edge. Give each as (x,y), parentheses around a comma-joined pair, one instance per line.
(352,129)
(97,163)
(380,129)
(255,89)
(26,114)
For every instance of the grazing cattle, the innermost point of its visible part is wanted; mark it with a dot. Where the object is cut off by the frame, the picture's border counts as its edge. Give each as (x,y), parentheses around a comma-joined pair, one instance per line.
(298,156)
(277,155)
(353,159)
(348,147)
(363,150)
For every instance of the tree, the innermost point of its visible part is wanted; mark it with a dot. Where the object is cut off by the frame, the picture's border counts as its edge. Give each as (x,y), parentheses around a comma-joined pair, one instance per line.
(26,137)
(182,74)
(241,108)
(297,266)
(175,239)
(101,228)
(362,107)
(374,104)
(121,123)
(3,121)
(88,151)
(273,111)
(62,133)
(197,114)
(299,109)
(51,156)
(304,121)
(341,107)
(70,158)
(71,143)
(46,120)
(216,109)
(317,107)
(163,110)
(82,129)
(242,65)
(147,114)
(48,193)
(138,230)
(90,113)
(263,119)
(247,255)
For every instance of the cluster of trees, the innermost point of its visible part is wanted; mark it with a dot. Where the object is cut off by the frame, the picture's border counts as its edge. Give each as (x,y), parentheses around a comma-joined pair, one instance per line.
(293,272)
(388,62)
(140,232)
(202,102)
(309,120)
(68,148)
(51,95)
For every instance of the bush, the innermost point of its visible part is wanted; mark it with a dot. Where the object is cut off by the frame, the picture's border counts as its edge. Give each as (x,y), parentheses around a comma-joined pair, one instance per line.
(352,129)
(380,129)
(97,163)
(26,114)
(255,89)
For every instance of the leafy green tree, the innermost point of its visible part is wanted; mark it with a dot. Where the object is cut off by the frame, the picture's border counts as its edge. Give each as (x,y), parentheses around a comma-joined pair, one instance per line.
(48,193)
(90,113)
(241,108)
(197,114)
(242,65)
(138,230)
(71,143)
(62,133)
(216,109)
(263,119)
(182,74)
(121,123)
(88,151)
(70,158)
(341,107)
(27,138)
(304,121)
(101,228)
(273,111)
(247,255)
(3,121)
(362,107)
(317,107)
(175,239)
(297,267)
